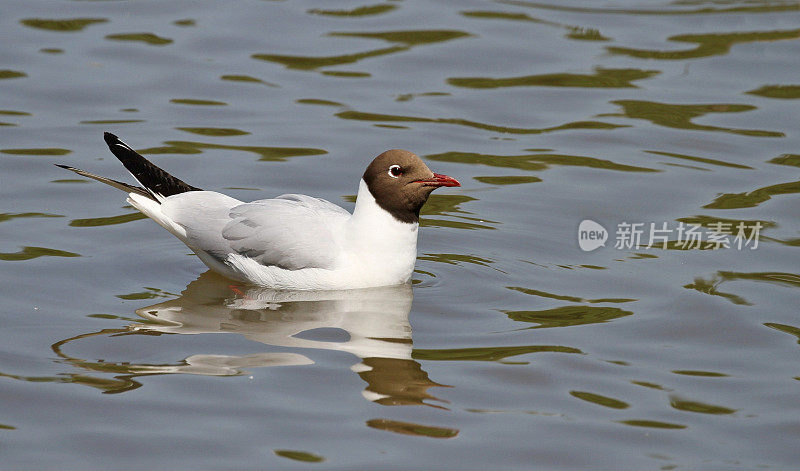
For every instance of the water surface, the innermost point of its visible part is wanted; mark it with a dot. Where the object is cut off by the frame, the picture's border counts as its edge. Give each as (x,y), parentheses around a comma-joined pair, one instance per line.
(514,348)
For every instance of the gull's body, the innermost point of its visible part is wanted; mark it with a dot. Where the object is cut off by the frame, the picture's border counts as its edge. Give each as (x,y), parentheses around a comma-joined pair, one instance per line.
(293,241)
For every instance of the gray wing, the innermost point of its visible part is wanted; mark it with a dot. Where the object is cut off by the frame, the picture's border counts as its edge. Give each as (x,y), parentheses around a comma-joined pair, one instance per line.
(290,231)
(202,215)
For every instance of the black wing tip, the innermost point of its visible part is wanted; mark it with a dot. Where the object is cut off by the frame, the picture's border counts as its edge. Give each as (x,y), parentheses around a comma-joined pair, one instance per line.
(110,138)
(155,180)
(63,166)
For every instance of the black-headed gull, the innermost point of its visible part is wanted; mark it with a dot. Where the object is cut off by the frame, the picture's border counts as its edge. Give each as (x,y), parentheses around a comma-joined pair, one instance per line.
(292,241)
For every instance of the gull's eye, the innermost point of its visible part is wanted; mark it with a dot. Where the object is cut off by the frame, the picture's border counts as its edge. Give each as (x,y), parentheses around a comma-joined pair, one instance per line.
(395,171)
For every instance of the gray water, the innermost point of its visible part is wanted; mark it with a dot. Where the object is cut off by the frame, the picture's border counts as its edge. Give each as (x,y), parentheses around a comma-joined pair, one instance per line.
(514,348)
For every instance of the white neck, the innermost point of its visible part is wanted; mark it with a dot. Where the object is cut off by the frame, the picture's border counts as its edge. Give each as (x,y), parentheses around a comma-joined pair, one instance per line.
(383,243)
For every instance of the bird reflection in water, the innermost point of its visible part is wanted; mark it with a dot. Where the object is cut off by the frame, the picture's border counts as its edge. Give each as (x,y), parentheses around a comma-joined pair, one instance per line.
(372,324)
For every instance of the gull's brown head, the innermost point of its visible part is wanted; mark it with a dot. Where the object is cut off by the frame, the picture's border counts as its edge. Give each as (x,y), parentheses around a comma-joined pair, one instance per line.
(400,182)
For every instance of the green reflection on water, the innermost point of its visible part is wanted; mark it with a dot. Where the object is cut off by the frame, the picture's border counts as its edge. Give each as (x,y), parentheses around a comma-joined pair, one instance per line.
(196,102)
(650,385)
(651,424)
(346,73)
(456,259)
(704,374)
(711,285)
(407,39)
(37,151)
(266,154)
(62,26)
(777,91)
(410,96)
(600,400)
(585,34)
(409,428)
(534,161)
(113,121)
(411,37)
(561,297)
(8,216)
(699,407)
(574,32)
(317,101)
(786,159)
(366,10)
(107,221)
(240,78)
(704,160)
(486,353)
(69,180)
(759,7)
(568,316)
(147,38)
(245,79)
(787,329)
(398,381)
(11,74)
(503,15)
(313,63)
(216,132)
(707,44)
(680,116)
(149,293)
(507,180)
(28,253)
(362,116)
(296,455)
(602,78)
(185,22)
(753,198)
(107,386)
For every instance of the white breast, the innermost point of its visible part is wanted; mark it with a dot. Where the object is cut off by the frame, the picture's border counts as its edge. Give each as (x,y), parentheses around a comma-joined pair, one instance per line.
(378,249)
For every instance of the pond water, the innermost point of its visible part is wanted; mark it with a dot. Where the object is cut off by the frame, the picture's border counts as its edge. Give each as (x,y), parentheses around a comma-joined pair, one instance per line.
(671,128)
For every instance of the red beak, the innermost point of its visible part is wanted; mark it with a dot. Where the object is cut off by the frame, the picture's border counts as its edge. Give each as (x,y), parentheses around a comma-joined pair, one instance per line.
(440,180)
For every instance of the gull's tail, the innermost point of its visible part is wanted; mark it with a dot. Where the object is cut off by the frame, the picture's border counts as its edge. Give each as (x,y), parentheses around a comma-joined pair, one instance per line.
(157,184)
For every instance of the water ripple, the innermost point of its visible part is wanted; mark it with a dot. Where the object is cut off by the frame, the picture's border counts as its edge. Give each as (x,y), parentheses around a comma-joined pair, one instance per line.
(366,10)
(265,154)
(406,40)
(379,117)
(534,162)
(768,7)
(716,44)
(602,78)
(147,38)
(568,316)
(680,116)
(29,253)
(70,25)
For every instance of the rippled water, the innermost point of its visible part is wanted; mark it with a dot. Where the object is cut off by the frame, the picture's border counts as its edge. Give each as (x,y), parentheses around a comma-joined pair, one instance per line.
(117,350)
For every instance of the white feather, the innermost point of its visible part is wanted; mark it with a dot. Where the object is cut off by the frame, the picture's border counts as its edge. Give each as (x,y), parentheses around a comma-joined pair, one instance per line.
(292,241)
